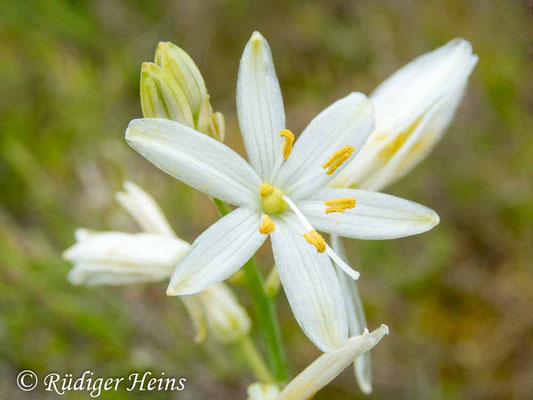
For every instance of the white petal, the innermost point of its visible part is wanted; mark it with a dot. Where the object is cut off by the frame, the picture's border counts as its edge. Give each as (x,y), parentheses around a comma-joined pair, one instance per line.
(94,274)
(356,318)
(326,367)
(143,208)
(400,104)
(311,285)
(128,250)
(196,159)
(348,121)
(410,91)
(218,252)
(419,144)
(260,106)
(376,216)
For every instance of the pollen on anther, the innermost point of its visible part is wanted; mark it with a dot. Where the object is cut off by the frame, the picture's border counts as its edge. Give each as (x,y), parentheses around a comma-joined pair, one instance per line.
(287,143)
(339,205)
(316,240)
(337,159)
(267,226)
(266,190)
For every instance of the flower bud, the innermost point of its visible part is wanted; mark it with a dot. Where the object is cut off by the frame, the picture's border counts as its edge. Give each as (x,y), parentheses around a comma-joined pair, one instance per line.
(180,66)
(162,97)
(263,391)
(226,318)
(117,258)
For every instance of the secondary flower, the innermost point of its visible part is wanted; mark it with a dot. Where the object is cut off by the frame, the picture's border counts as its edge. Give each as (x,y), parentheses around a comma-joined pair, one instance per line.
(281,193)
(119,258)
(412,108)
(321,371)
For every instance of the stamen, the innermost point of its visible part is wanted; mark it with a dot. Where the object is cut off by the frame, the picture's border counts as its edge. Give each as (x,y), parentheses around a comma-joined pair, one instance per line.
(316,240)
(339,205)
(329,251)
(287,143)
(267,226)
(266,190)
(338,158)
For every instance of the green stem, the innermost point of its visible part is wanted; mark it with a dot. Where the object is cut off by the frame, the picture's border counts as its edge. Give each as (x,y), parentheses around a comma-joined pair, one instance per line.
(255,360)
(265,311)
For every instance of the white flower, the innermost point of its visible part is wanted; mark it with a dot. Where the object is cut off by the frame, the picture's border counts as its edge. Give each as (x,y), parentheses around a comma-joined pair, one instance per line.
(413,108)
(326,367)
(281,193)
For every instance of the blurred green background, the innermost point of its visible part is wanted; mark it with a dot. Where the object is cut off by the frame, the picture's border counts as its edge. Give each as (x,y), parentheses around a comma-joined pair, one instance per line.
(458,300)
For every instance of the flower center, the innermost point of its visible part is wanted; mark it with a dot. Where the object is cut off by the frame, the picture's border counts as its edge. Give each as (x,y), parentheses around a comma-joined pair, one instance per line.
(271,201)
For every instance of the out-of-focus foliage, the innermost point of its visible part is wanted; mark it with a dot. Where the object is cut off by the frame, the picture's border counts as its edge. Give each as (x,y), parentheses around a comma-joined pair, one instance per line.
(458,300)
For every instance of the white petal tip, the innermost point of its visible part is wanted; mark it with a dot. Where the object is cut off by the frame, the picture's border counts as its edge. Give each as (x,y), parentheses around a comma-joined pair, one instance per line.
(256,36)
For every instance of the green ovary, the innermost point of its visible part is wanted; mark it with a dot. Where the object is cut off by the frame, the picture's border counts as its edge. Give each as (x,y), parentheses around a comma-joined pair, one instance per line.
(273,203)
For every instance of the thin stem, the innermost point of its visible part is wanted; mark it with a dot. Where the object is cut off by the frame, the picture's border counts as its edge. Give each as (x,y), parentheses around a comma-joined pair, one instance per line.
(266,314)
(255,360)
(265,311)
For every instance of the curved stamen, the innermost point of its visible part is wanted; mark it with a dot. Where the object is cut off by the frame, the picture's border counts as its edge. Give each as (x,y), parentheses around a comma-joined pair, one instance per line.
(287,143)
(329,251)
(337,159)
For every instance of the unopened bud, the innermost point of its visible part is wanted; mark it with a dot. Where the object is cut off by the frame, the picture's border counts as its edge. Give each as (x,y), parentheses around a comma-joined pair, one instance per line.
(162,97)
(184,71)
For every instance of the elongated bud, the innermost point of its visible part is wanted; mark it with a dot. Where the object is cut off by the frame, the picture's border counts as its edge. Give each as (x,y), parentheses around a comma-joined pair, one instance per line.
(184,71)
(162,97)
(226,318)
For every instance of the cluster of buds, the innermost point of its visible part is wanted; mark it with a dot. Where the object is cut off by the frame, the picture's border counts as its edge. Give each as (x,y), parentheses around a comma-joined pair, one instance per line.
(172,87)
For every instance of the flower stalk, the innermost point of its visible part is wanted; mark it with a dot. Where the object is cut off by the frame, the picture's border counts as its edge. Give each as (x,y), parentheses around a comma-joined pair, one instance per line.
(265,311)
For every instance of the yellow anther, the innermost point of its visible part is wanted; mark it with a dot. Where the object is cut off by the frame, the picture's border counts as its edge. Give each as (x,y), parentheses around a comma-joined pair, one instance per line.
(267,226)
(287,143)
(316,240)
(339,205)
(337,159)
(266,190)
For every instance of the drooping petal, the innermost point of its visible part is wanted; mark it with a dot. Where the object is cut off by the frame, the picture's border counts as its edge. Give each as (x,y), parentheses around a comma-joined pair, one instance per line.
(218,252)
(226,318)
(143,208)
(326,367)
(195,159)
(401,103)
(94,274)
(260,106)
(356,318)
(347,122)
(376,216)
(311,285)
